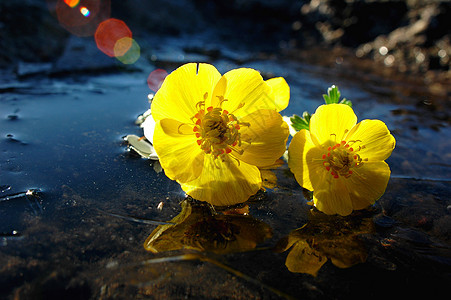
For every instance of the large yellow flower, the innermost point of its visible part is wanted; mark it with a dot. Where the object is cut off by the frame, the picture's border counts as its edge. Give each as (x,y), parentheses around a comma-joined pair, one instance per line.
(213,132)
(340,161)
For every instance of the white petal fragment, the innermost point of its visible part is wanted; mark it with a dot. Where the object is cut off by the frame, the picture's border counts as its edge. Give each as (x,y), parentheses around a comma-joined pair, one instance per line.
(141,146)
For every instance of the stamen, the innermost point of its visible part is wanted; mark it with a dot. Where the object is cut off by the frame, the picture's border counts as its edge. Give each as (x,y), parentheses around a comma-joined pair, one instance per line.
(335,136)
(217,130)
(221,99)
(200,105)
(341,158)
(238,107)
(178,128)
(239,151)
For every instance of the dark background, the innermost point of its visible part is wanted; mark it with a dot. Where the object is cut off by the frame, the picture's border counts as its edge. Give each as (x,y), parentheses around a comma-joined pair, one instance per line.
(413,31)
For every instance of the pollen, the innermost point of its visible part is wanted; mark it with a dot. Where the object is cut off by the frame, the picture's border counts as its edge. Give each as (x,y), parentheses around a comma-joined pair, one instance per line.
(341,158)
(217,131)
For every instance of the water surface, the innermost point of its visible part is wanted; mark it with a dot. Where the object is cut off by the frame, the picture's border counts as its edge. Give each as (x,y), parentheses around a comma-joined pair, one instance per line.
(79,231)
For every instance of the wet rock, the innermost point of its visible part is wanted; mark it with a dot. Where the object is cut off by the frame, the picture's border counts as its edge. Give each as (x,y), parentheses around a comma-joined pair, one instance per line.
(25,69)
(56,285)
(81,54)
(411,35)
(384,221)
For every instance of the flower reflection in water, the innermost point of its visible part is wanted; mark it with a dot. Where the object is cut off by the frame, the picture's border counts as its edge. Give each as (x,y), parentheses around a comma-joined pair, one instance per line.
(197,227)
(326,237)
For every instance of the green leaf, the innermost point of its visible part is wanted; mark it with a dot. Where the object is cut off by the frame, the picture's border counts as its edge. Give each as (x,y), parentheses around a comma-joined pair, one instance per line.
(346,101)
(333,96)
(299,123)
(306,116)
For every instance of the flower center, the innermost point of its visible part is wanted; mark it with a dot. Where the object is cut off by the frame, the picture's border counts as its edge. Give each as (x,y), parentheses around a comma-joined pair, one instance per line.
(217,130)
(342,158)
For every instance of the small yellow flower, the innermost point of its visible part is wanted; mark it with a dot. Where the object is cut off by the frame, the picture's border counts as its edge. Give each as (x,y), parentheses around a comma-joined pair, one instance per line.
(340,161)
(213,132)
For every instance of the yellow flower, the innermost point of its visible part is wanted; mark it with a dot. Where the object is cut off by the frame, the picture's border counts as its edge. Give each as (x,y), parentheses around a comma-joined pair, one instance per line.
(340,161)
(213,132)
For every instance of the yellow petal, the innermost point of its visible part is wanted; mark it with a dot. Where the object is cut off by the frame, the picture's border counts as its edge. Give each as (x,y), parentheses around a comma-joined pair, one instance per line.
(245,92)
(224,183)
(330,123)
(304,259)
(180,155)
(182,89)
(376,138)
(269,179)
(332,197)
(169,236)
(368,183)
(304,160)
(280,91)
(264,141)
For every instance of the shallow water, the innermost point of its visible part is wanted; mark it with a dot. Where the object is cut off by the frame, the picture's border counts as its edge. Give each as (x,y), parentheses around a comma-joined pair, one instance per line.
(80,232)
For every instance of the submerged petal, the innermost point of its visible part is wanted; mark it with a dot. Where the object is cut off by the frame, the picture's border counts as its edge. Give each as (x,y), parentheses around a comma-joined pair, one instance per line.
(330,123)
(224,183)
(182,89)
(280,91)
(180,155)
(304,259)
(376,138)
(264,141)
(303,161)
(245,92)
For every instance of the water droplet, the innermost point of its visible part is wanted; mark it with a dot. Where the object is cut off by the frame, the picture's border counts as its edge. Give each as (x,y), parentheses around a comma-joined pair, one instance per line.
(4,188)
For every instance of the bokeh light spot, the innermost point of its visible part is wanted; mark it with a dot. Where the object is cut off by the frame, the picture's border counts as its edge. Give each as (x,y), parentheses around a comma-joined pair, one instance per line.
(80,17)
(132,50)
(122,46)
(84,11)
(156,78)
(108,33)
(72,3)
